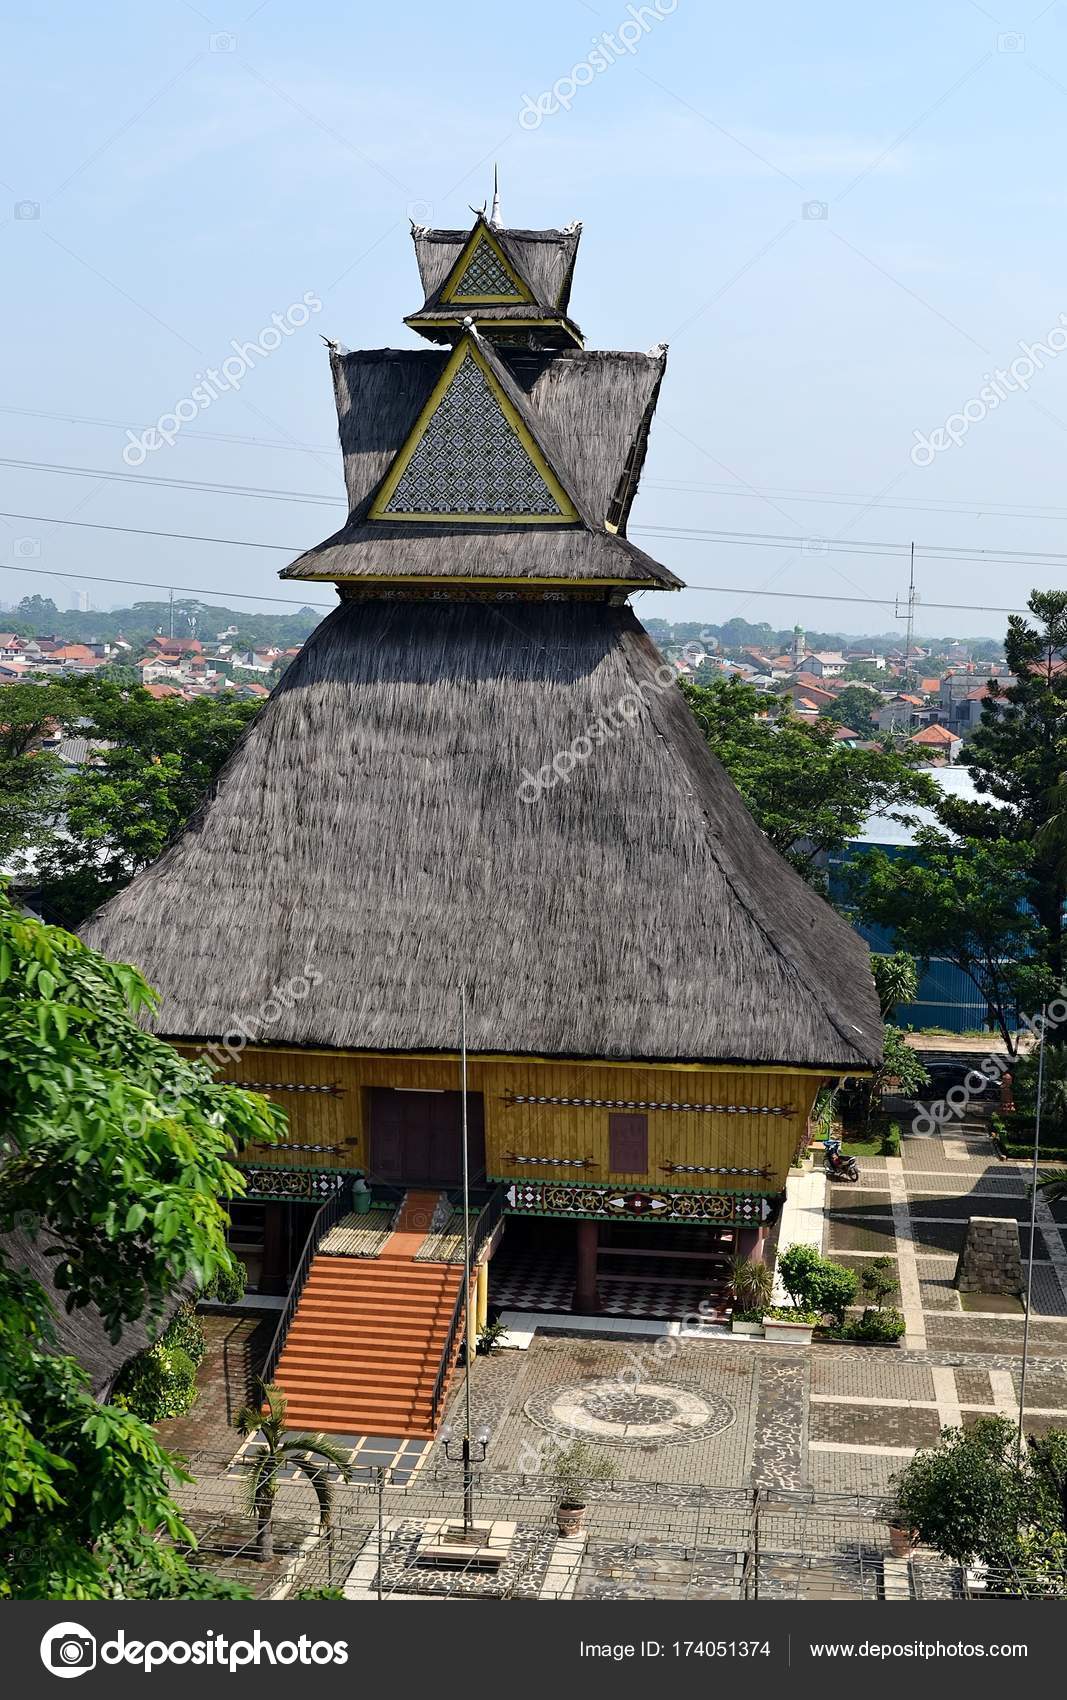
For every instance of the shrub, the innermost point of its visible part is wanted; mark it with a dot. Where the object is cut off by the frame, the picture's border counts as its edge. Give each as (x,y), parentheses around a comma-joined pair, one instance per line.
(891,1141)
(816,1283)
(794,1313)
(573,1467)
(879,1325)
(752,1282)
(834,1289)
(797,1267)
(878,1280)
(965,1496)
(491,1336)
(1054,1093)
(159,1382)
(186,1332)
(227,1285)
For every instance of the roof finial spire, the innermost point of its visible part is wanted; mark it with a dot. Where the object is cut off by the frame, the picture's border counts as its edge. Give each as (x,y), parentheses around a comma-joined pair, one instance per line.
(494,216)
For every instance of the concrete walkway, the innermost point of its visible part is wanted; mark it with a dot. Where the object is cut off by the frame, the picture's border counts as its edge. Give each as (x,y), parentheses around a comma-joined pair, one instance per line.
(802,1218)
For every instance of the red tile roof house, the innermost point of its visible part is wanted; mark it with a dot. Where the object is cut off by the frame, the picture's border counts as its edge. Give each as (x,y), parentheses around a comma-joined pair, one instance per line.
(938,743)
(806,688)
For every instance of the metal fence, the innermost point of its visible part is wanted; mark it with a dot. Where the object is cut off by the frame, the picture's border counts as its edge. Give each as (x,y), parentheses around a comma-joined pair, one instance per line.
(391,1540)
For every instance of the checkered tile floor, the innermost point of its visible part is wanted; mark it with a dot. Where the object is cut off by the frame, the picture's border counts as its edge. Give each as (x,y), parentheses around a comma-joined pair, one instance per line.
(404,1458)
(525,1279)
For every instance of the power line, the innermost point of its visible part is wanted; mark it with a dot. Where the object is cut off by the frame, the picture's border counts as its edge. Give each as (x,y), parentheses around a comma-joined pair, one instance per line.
(187,435)
(835,498)
(864,546)
(684,534)
(823,596)
(149,584)
(143,531)
(717,589)
(154,479)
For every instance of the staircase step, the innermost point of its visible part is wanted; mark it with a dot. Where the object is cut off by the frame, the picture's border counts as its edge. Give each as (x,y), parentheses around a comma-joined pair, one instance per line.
(364,1349)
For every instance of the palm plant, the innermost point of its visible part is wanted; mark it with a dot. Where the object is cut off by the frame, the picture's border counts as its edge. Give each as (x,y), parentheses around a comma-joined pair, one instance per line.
(309,1454)
(1052,1184)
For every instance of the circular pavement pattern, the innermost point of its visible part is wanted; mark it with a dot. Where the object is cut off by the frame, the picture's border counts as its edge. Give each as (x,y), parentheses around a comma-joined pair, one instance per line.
(625,1413)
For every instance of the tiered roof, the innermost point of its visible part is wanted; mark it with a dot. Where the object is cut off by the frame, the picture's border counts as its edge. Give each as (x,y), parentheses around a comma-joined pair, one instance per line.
(478,772)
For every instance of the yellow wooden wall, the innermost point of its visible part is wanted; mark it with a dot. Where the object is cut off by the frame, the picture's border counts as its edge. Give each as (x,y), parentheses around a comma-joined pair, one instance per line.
(546,1130)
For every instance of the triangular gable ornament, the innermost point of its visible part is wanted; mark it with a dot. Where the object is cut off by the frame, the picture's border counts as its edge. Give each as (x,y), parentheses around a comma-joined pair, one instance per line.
(470,456)
(484,274)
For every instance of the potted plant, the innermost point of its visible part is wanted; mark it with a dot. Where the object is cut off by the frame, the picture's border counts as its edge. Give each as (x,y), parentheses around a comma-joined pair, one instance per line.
(902,1538)
(572,1468)
(790,1324)
(751,1283)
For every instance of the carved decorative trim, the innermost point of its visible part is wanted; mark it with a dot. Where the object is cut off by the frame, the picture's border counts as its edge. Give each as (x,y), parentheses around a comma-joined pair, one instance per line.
(598,1202)
(287,1086)
(554,1162)
(642,1104)
(300,1184)
(710,1169)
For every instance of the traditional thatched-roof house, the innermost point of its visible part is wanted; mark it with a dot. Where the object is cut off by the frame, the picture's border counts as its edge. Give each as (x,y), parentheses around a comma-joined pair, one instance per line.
(479,773)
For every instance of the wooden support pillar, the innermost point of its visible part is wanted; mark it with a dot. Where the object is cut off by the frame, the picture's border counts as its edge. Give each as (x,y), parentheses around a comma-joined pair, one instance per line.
(752,1243)
(586,1300)
(483,1295)
(274,1277)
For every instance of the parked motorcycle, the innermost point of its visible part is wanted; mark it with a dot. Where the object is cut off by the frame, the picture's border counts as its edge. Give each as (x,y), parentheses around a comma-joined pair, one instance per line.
(839,1167)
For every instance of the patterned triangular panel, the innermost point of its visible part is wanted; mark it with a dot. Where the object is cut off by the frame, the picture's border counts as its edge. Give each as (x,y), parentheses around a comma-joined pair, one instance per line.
(486,274)
(470,459)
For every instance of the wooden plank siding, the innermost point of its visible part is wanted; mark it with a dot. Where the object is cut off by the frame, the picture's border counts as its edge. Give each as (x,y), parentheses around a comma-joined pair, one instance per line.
(514,1130)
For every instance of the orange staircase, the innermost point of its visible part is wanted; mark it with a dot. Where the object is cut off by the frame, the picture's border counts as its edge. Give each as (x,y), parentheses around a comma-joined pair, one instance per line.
(365,1346)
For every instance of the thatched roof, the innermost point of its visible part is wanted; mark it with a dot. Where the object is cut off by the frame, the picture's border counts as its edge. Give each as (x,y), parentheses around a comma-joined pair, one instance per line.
(544,258)
(371,833)
(81,1333)
(591,412)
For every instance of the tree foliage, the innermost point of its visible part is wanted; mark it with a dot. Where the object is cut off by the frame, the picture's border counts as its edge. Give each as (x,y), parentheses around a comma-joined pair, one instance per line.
(969,1498)
(1017,756)
(964,903)
(117,1158)
(118,810)
(853,707)
(809,794)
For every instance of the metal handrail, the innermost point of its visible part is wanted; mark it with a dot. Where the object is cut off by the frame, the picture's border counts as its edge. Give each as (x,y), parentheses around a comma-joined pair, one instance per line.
(484,1227)
(328,1214)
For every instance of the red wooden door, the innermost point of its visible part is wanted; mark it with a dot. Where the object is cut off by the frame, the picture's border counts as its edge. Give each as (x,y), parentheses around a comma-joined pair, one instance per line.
(417,1137)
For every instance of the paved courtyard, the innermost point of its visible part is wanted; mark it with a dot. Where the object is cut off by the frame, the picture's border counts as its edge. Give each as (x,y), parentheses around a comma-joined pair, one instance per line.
(739,1468)
(835,1419)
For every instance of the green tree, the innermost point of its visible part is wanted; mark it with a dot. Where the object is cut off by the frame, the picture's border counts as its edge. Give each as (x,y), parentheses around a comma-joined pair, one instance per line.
(121,810)
(310,1455)
(117,1155)
(1017,756)
(31,779)
(969,1498)
(809,794)
(853,707)
(965,903)
(896,980)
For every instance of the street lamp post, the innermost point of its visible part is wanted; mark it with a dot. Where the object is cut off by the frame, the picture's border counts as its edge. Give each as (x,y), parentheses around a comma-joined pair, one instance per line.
(466,1445)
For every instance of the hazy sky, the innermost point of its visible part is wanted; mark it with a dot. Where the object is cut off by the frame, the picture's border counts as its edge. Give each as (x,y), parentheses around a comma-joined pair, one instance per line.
(842,218)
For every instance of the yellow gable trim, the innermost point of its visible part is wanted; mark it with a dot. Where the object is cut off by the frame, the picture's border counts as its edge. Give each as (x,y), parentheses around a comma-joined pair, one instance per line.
(479,235)
(467,348)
